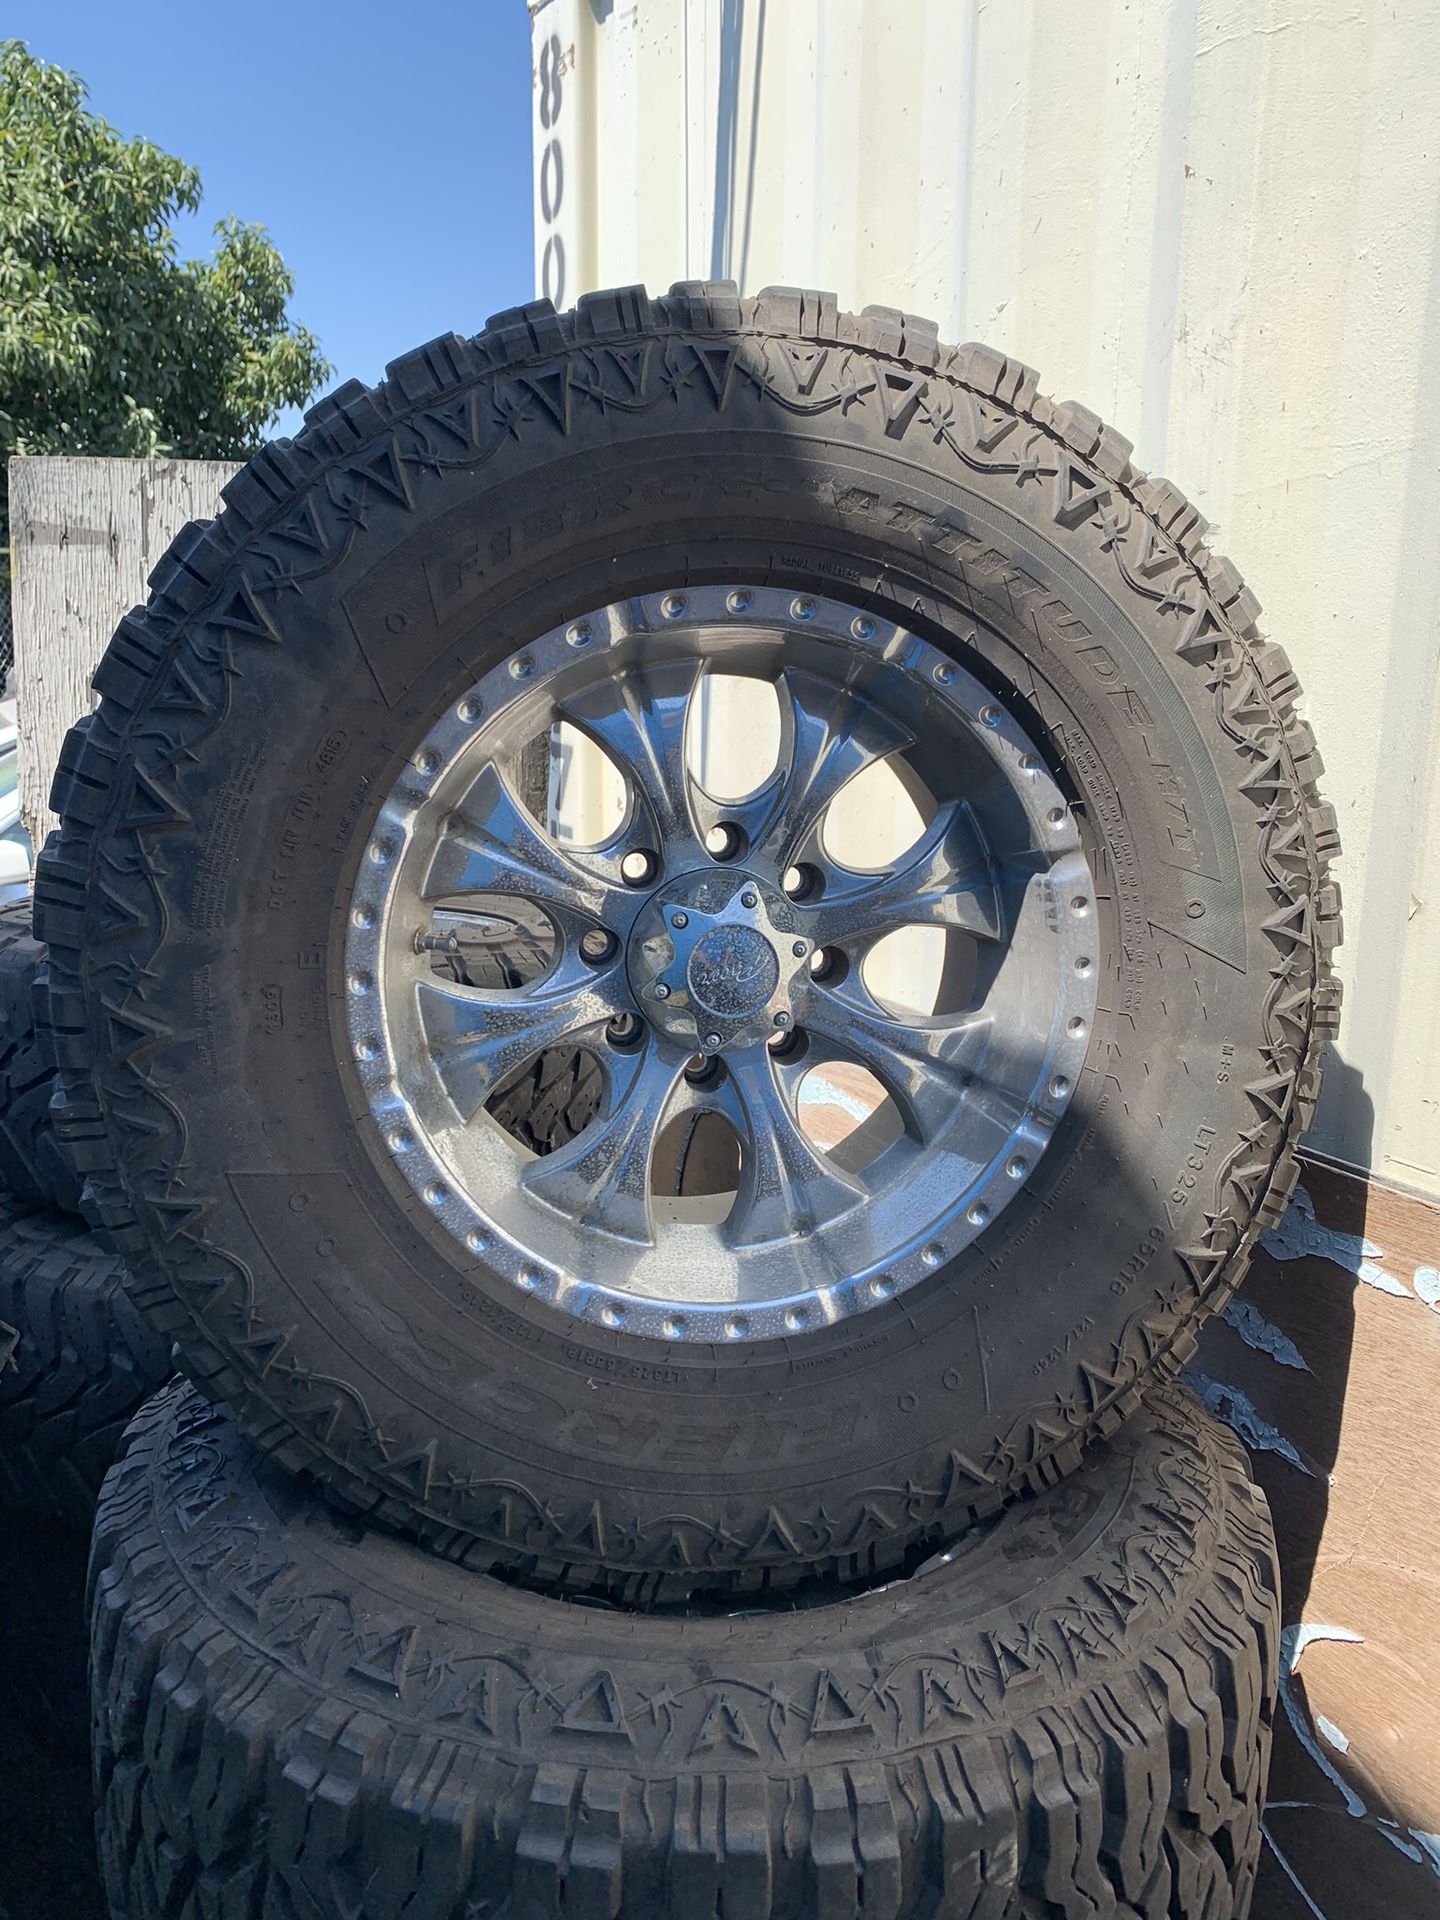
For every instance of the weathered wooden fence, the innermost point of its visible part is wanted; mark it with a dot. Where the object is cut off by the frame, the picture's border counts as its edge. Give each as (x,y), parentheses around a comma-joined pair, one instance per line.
(84,535)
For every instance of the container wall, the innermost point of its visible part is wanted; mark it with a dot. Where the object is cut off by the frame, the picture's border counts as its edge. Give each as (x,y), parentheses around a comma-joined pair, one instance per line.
(1215,222)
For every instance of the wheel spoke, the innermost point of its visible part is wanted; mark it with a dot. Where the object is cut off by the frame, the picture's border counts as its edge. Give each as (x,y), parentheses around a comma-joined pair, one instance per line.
(787,1184)
(492,845)
(943,880)
(601,1179)
(832,733)
(478,1036)
(927,1066)
(639,718)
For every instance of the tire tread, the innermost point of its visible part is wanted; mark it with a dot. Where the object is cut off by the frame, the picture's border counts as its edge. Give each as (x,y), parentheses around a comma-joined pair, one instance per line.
(1133,1789)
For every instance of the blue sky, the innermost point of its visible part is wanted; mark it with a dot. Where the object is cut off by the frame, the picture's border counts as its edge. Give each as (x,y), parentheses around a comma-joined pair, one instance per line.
(386,147)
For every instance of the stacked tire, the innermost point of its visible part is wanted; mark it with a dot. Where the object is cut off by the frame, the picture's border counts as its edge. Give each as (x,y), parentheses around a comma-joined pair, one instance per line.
(594,1493)
(78,1359)
(77,1355)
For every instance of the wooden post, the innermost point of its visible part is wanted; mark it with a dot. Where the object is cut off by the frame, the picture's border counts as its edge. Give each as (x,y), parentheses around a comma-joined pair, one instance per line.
(84,535)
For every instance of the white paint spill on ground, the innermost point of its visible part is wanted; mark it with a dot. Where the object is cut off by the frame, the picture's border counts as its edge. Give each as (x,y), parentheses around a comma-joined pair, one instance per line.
(1421,1848)
(1239,1412)
(1263,1335)
(1300,1233)
(823,1090)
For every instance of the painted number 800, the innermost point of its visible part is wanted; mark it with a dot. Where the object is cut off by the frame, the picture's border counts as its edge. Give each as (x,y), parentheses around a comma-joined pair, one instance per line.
(552,169)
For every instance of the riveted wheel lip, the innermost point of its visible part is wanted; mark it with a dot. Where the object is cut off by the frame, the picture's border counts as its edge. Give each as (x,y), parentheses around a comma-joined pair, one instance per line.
(464,1171)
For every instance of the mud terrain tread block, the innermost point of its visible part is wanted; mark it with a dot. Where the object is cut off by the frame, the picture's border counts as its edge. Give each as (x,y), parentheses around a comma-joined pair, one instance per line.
(318,1719)
(84,1360)
(33,1164)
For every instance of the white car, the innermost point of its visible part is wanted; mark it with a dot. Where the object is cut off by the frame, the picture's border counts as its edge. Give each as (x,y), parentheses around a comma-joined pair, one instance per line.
(17,856)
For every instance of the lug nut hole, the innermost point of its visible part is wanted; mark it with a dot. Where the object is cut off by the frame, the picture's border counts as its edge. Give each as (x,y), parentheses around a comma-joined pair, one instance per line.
(639,867)
(803,882)
(724,841)
(625,1031)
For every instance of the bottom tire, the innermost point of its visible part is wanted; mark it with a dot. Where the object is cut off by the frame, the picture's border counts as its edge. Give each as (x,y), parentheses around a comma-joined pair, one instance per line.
(82,1359)
(33,1164)
(1067,1714)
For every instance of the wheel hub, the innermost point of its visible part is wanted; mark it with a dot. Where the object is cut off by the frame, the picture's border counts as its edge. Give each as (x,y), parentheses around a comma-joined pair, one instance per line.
(680,935)
(718,961)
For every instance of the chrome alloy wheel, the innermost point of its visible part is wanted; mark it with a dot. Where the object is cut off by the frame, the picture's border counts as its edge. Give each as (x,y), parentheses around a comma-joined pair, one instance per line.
(711,953)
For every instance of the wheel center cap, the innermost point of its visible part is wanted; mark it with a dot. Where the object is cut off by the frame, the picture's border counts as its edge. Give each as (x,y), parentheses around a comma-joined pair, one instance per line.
(718,961)
(732,971)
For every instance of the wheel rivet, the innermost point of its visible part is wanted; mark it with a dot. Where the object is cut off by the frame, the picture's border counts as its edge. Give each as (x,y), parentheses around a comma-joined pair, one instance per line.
(748,900)
(782,1019)
(679,919)
(712,1040)
(662,992)
(800,948)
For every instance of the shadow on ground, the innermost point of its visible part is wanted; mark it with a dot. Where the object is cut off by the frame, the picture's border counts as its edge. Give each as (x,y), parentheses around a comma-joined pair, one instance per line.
(1328,1365)
(47,1856)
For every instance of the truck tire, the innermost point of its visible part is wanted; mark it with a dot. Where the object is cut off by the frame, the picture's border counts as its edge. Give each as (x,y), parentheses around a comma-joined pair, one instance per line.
(33,1164)
(82,1359)
(1067,1713)
(1126,864)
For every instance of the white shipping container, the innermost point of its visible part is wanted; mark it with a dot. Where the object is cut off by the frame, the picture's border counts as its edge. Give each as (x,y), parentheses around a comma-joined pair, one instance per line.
(1213,221)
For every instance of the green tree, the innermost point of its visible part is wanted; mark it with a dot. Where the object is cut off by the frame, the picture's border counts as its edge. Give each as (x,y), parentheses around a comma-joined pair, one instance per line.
(109,342)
